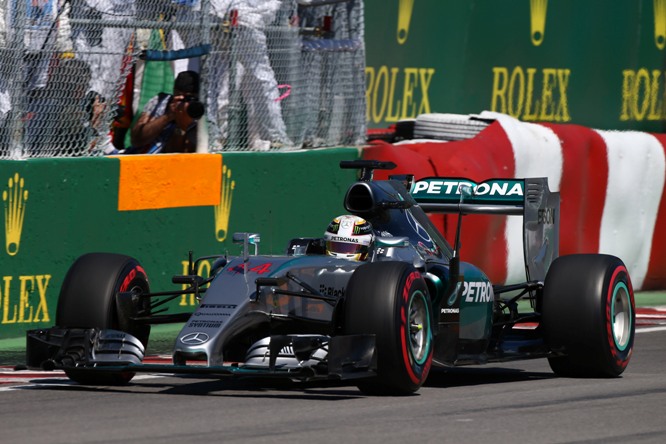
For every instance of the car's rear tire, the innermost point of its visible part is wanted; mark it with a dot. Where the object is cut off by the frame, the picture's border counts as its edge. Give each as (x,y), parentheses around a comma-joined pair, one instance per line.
(391,301)
(87,300)
(588,315)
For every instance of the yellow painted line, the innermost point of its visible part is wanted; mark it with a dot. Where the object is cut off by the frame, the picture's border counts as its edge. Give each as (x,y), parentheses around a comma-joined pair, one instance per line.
(149,182)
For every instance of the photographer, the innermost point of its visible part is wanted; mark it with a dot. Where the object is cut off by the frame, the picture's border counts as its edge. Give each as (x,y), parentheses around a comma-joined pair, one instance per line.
(168,123)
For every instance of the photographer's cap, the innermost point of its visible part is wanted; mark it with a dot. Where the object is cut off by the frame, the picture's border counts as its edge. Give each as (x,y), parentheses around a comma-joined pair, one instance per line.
(187,82)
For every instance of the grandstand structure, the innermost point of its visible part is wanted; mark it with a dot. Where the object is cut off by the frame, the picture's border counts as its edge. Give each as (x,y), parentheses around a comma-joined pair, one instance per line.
(276,74)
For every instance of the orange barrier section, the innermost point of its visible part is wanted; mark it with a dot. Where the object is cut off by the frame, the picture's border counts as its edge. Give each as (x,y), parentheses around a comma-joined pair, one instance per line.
(149,182)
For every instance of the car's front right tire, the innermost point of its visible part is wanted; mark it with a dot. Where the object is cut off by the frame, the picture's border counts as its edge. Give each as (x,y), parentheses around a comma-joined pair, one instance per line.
(391,301)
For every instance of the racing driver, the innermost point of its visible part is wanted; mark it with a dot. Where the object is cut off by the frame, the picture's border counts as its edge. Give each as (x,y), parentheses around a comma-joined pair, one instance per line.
(349,237)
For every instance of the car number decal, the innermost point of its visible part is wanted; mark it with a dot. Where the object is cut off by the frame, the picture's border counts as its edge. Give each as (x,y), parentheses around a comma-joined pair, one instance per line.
(258,269)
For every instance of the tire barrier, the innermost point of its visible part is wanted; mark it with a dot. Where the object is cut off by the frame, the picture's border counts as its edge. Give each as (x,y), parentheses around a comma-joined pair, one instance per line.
(447,126)
(611,185)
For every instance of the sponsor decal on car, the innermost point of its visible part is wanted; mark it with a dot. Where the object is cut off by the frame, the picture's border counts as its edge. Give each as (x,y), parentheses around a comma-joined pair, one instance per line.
(478,292)
(130,277)
(210,313)
(546,216)
(196,338)
(258,269)
(446,190)
(331,291)
(220,306)
(205,324)
(449,310)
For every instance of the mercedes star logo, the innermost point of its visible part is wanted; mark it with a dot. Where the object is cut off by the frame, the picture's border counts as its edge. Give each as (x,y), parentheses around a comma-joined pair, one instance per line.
(197,338)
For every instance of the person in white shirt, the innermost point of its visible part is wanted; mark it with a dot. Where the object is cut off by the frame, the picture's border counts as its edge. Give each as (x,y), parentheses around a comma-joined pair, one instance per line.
(103,48)
(249,66)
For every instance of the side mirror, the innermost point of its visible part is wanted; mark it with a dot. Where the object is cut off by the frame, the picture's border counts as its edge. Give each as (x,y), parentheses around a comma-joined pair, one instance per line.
(247,239)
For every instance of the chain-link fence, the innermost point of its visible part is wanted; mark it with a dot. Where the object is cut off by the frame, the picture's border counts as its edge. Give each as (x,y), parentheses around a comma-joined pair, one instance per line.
(75,75)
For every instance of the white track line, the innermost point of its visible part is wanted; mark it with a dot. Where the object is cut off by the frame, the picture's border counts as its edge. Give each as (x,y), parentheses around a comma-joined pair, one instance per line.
(650,329)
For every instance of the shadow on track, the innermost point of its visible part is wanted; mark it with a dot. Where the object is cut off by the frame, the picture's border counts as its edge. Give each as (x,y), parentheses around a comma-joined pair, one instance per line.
(283,389)
(460,377)
(194,386)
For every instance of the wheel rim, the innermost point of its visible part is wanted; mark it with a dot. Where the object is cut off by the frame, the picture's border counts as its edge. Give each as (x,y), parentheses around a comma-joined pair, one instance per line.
(419,328)
(621,316)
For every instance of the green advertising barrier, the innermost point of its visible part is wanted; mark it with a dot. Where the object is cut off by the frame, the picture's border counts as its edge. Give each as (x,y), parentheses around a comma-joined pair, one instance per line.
(58,209)
(592,62)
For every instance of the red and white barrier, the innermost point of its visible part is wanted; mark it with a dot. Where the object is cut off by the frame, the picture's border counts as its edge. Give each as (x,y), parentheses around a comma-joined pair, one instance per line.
(611,185)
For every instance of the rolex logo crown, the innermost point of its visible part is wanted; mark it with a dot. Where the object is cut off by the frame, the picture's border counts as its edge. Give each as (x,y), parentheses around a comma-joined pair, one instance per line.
(405,8)
(660,23)
(538,20)
(223,210)
(14,198)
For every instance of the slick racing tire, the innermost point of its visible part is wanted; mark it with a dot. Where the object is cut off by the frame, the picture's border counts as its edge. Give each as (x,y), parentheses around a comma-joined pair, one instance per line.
(87,300)
(391,301)
(588,315)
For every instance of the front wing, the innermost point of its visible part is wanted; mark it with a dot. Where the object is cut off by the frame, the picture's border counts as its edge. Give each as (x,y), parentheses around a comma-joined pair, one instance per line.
(93,350)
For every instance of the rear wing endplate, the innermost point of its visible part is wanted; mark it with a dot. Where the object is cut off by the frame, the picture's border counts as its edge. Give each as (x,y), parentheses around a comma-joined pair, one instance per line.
(530,198)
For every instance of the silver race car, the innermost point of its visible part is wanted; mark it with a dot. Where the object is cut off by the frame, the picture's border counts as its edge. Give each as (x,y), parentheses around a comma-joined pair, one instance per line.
(380,319)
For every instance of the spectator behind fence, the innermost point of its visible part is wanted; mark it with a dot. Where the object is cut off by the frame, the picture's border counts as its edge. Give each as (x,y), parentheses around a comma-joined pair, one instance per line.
(252,73)
(28,38)
(60,117)
(244,61)
(103,46)
(168,123)
(5,82)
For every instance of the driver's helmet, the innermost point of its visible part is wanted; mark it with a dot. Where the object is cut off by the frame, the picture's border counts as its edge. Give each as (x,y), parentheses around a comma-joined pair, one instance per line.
(349,237)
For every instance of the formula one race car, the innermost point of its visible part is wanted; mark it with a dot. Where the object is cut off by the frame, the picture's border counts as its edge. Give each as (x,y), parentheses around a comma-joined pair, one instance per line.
(380,323)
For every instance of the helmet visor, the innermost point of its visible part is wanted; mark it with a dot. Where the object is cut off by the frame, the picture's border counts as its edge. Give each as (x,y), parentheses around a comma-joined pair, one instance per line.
(345,248)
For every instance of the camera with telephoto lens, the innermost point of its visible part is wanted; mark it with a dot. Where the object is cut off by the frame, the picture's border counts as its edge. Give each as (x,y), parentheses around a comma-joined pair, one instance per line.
(195,108)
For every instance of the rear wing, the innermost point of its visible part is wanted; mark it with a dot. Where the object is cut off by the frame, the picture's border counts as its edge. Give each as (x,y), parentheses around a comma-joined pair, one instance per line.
(530,198)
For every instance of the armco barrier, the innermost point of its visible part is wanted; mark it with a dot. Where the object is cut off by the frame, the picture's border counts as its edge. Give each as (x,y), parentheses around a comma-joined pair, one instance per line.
(611,186)
(155,208)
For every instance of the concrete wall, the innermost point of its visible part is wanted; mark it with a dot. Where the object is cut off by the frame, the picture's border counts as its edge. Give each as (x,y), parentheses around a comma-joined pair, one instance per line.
(154,208)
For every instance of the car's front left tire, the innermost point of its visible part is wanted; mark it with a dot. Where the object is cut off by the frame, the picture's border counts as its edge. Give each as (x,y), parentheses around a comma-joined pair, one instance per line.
(88,300)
